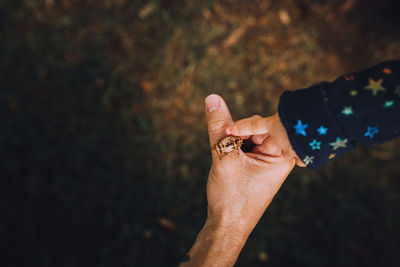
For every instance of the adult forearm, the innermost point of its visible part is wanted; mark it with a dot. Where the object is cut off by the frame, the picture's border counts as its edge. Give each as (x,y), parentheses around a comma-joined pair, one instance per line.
(215,246)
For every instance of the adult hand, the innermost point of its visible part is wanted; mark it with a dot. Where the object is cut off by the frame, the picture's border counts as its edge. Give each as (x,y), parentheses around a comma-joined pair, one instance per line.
(240,187)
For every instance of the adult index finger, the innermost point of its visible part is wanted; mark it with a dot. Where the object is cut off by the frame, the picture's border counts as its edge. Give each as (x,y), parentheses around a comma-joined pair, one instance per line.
(255,125)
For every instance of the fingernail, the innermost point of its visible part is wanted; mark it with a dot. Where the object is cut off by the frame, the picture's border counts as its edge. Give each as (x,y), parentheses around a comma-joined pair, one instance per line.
(228,130)
(212,102)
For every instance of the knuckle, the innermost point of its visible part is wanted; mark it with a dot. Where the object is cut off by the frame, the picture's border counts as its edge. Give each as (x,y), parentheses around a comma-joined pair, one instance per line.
(253,126)
(256,116)
(217,125)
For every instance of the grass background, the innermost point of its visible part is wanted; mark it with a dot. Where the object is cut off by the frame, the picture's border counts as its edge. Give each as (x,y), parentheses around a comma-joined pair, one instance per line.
(104,149)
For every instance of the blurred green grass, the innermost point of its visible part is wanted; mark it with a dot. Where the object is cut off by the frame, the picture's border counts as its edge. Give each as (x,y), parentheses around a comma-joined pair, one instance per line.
(103,142)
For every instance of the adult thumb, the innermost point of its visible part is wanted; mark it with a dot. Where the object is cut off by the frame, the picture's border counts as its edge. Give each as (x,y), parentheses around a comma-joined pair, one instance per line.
(218,117)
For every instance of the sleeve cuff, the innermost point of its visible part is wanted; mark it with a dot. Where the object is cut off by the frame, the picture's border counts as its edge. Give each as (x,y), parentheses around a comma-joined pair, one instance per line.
(312,130)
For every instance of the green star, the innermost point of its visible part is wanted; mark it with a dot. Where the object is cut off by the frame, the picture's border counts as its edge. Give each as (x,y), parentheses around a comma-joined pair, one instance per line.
(347,111)
(338,143)
(315,144)
(388,104)
(397,91)
(375,86)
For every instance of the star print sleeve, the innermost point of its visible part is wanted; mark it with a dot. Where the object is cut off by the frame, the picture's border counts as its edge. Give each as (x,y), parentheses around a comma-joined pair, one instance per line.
(327,120)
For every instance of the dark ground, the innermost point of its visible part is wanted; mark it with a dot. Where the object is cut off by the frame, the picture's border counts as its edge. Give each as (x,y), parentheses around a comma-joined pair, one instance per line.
(103,143)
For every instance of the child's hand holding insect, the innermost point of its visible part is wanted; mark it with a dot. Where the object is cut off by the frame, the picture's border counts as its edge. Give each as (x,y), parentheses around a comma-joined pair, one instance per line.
(268,134)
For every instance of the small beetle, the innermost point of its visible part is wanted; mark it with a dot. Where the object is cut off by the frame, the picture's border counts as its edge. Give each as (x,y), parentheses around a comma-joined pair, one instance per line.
(227,145)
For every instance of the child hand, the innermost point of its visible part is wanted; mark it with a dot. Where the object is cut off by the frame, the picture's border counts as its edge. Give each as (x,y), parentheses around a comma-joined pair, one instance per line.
(268,134)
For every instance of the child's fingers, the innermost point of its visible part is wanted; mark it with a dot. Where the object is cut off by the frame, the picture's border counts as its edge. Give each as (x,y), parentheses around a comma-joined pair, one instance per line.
(250,126)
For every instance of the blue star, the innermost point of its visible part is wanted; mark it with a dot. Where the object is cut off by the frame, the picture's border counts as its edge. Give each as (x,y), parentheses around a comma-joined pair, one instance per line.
(322,130)
(371,131)
(301,128)
(315,144)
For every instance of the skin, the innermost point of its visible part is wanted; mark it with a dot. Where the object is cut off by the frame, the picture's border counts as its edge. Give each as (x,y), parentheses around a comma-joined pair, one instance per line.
(239,189)
(268,134)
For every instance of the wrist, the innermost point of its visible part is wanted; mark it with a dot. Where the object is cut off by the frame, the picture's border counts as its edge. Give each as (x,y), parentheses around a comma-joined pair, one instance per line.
(228,228)
(215,246)
(289,148)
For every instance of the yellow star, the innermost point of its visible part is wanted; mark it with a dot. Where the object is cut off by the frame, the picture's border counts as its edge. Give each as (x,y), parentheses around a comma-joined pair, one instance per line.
(375,86)
(331,156)
(353,93)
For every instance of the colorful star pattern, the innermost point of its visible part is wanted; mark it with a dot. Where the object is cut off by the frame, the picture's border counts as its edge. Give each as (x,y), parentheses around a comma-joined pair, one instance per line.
(375,86)
(315,145)
(371,131)
(301,128)
(338,143)
(388,104)
(347,111)
(322,130)
(308,160)
(372,99)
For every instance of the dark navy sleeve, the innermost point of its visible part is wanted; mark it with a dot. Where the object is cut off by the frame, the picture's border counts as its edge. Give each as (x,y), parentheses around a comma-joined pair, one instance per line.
(327,120)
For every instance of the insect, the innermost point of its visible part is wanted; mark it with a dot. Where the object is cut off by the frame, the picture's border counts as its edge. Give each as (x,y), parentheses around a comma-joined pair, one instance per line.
(227,145)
